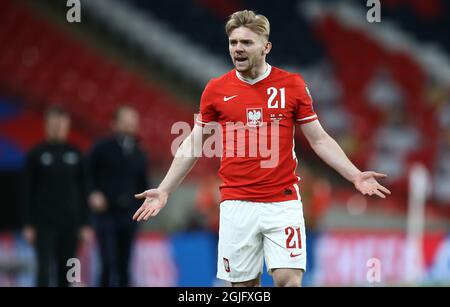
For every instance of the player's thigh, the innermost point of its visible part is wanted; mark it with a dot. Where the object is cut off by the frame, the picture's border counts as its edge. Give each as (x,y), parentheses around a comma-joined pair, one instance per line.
(240,250)
(284,236)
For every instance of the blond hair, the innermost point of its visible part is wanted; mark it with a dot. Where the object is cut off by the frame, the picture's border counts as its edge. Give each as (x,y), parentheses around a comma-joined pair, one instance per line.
(257,23)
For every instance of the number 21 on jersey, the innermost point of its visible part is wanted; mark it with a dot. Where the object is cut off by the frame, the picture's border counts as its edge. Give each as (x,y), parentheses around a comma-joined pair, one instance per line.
(274,98)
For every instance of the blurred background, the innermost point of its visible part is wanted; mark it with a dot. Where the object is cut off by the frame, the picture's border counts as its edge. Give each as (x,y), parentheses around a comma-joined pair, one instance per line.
(381,89)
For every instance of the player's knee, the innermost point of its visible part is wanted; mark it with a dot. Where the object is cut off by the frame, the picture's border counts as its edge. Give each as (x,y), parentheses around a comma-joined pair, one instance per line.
(288,282)
(287,278)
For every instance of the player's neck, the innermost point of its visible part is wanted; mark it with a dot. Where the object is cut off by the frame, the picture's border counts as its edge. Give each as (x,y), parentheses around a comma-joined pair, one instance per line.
(256,72)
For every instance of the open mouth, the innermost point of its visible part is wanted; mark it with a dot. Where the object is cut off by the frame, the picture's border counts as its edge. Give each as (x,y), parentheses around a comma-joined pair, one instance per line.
(240,59)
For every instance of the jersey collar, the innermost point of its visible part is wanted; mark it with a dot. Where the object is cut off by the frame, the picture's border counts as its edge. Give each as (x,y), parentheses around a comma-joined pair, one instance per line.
(256,80)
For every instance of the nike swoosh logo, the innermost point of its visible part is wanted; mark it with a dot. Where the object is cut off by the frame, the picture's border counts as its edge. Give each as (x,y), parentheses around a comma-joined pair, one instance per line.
(225,98)
(295,255)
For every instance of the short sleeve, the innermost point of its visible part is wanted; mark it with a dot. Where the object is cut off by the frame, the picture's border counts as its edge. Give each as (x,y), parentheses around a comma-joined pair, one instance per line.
(208,113)
(305,111)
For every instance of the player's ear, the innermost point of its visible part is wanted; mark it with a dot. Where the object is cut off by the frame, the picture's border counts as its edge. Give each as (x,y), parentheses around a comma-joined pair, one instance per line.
(267,47)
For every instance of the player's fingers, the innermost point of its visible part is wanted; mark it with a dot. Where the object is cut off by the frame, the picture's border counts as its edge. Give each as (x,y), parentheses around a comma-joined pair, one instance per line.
(138,212)
(142,215)
(385,190)
(148,214)
(138,218)
(140,195)
(378,193)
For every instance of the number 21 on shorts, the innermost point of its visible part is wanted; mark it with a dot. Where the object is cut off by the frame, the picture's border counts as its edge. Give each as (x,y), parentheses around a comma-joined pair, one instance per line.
(294,238)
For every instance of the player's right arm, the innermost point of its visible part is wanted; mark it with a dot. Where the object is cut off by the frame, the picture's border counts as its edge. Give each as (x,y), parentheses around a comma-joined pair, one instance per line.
(184,161)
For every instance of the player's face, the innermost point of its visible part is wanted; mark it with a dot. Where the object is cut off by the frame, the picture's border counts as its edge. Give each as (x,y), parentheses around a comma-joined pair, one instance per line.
(247,49)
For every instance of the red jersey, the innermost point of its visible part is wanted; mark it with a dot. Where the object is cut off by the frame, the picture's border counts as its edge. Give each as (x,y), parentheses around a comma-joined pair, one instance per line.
(257,119)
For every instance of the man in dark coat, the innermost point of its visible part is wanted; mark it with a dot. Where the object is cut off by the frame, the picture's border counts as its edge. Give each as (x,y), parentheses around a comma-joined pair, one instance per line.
(55,200)
(118,168)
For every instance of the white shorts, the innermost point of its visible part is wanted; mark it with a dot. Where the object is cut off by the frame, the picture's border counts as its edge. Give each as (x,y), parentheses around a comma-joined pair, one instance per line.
(251,231)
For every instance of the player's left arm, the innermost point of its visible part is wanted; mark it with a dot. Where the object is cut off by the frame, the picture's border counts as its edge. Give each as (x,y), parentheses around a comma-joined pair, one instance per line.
(330,152)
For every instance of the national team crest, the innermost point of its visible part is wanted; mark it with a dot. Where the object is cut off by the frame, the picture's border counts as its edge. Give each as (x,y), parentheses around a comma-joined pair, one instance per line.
(226,264)
(254,117)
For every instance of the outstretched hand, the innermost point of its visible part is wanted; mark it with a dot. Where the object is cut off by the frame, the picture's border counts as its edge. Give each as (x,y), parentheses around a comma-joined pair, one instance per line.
(154,201)
(366,183)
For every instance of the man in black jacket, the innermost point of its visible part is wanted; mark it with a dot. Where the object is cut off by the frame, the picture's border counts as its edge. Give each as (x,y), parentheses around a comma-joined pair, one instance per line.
(118,169)
(55,199)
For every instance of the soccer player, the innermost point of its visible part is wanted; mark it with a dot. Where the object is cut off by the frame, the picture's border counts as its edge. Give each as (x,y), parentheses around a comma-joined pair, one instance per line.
(261,213)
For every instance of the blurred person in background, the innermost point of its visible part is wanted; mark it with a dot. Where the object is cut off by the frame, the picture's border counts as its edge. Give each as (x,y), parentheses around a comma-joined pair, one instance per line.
(316,193)
(118,169)
(55,200)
